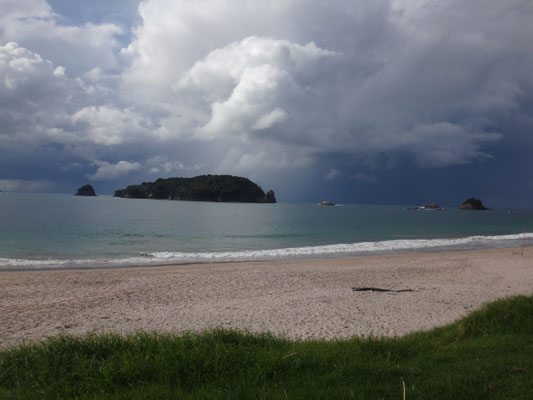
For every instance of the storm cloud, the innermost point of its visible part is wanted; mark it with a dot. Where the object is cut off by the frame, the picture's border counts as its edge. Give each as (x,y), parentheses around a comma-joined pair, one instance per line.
(312,91)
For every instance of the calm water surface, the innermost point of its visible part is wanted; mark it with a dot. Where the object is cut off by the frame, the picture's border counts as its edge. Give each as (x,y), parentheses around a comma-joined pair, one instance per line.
(65,231)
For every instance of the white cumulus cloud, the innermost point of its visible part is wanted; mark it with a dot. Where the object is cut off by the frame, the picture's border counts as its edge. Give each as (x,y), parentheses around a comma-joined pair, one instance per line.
(332,89)
(34,25)
(383,77)
(108,125)
(108,171)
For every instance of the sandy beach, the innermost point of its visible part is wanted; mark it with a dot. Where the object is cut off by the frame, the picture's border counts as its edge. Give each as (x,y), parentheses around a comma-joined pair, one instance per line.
(300,299)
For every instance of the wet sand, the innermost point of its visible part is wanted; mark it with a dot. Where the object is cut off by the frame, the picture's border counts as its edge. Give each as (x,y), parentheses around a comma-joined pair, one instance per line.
(299,299)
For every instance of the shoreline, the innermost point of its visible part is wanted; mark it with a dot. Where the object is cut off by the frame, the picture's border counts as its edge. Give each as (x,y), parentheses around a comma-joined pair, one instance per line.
(309,298)
(201,264)
(106,264)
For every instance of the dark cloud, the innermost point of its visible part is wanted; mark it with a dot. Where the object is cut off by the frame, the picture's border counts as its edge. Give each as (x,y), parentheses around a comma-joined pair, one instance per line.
(363,100)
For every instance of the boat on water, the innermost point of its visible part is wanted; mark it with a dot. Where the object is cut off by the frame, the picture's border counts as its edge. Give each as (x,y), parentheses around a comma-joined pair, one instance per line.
(430,207)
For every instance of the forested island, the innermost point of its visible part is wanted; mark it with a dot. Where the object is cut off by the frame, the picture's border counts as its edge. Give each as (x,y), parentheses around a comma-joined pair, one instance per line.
(217,188)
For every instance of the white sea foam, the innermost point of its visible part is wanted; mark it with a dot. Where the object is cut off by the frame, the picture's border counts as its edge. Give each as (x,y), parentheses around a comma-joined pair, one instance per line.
(345,249)
(50,263)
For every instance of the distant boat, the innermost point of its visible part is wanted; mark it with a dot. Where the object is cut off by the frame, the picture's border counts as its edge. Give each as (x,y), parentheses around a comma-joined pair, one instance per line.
(430,207)
(327,203)
(433,207)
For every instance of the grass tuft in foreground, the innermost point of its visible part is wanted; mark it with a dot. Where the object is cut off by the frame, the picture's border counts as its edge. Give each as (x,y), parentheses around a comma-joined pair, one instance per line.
(487,355)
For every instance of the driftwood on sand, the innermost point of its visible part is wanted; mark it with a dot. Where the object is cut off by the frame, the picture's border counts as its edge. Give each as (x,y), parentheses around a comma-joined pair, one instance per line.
(375,289)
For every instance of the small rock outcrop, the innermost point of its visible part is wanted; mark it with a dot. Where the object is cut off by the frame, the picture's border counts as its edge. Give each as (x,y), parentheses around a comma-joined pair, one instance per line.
(86,190)
(327,203)
(433,206)
(270,197)
(472,204)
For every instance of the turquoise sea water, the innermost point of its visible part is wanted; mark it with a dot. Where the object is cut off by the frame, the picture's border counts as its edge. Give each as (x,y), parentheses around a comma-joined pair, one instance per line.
(65,231)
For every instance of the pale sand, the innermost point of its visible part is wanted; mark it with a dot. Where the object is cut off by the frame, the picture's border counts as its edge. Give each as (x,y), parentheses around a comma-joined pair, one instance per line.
(310,298)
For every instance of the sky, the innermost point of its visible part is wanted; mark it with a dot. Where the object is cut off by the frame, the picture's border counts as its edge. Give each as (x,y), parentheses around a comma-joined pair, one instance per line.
(368,101)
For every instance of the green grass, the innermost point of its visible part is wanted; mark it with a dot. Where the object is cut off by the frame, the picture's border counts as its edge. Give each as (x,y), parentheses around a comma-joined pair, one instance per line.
(487,355)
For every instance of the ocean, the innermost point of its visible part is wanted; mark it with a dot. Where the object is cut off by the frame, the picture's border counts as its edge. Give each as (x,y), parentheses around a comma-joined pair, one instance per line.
(53,231)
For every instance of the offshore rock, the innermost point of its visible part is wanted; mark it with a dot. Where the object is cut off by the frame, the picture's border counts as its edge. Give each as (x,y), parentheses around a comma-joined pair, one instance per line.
(270,197)
(327,203)
(86,190)
(216,188)
(472,204)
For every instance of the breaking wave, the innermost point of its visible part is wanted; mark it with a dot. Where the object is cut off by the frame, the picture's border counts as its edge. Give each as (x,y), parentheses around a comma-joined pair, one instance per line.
(334,250)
